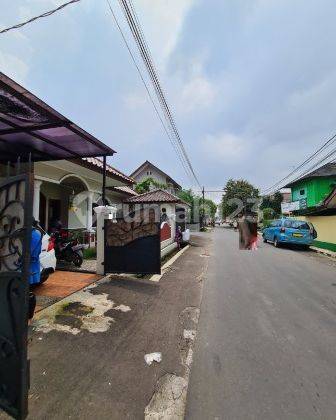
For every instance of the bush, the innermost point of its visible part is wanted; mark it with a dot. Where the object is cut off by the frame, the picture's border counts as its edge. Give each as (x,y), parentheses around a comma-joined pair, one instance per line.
(266,223)
(90,254)
(268,213)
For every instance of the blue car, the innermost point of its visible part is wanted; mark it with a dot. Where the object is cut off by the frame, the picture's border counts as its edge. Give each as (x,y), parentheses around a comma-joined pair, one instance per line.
(290,231)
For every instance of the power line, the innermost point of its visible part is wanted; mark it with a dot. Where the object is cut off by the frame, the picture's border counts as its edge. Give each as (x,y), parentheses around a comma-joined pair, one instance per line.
(146,86)
(137,33)
(316,164)
(309,159)
(43,15)
(145,54)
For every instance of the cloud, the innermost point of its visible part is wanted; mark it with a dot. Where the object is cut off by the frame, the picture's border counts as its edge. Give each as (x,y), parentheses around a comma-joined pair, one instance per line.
(135,100)
(162,22)
(224,147)
(198,92)
(13,67)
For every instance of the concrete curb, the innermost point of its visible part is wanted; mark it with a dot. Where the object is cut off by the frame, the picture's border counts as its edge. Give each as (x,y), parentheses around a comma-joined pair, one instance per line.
(157,277)
(326,252)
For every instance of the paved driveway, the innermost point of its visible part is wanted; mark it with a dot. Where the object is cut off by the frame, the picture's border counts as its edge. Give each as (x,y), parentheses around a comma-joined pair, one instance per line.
(61,284)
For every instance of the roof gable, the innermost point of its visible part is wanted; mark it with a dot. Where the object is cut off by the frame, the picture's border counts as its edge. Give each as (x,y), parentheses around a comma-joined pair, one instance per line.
(151,165)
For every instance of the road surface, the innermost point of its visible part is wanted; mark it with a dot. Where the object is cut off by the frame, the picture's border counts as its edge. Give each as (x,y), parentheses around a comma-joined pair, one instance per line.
(266,346)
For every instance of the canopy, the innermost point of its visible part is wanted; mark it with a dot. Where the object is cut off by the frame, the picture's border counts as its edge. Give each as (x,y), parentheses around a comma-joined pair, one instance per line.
(30,126)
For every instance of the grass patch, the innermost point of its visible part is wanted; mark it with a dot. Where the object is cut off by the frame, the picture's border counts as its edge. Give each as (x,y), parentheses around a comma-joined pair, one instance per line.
(90,254)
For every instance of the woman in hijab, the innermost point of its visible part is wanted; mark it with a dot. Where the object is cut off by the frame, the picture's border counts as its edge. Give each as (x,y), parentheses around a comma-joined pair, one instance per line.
(35,251)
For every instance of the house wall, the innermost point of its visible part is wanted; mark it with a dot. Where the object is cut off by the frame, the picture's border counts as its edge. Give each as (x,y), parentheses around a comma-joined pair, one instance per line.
(306,188)
(51,177)
(170,210)
(150,172)
(326,230)
(315,190)
(323,187)
(154,174)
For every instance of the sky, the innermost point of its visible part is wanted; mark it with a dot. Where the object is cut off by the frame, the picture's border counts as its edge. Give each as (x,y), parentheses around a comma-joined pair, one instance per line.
(251,83)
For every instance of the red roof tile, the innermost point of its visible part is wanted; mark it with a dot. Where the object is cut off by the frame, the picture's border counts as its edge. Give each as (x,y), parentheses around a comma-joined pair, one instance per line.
(109,169)
(125,189)
(155,196)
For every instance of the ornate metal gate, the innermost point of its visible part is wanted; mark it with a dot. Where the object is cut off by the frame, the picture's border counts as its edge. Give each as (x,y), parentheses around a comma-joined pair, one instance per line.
(15,233)
(132,243)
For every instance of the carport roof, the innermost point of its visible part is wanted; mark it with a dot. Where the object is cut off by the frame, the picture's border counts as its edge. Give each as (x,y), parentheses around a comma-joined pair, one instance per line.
(29,125)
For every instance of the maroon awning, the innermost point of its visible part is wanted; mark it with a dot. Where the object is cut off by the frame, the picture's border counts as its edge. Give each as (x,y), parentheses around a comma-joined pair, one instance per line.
(28,125)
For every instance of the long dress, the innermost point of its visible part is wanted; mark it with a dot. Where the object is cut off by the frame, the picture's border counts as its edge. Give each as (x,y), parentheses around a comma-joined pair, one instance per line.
(35,251)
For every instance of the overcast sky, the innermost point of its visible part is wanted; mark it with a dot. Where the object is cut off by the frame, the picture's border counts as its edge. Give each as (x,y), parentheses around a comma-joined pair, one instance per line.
(251,82)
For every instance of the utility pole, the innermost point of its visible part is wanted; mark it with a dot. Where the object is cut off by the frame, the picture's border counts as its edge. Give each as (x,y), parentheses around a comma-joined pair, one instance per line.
(203,211)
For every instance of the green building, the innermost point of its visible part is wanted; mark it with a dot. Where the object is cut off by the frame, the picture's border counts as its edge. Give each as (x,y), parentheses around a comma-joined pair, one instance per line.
(316,186)
(314,199)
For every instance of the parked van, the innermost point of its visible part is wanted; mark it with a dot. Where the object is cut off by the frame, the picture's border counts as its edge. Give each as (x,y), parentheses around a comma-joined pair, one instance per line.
(290,231)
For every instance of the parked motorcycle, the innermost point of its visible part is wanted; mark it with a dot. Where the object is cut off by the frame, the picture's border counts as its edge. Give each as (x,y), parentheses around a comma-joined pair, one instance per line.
(68,250)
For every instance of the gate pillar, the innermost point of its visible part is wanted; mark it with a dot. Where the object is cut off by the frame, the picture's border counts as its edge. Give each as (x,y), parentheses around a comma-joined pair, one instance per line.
(102,213)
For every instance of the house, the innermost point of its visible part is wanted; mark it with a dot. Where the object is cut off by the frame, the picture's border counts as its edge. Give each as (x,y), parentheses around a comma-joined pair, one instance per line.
(311,189)
(313,198)
(68,190)
(286,195)
(68,181)
(163,180)
(173,213)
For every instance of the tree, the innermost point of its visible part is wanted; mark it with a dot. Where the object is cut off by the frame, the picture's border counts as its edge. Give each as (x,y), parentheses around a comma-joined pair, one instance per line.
(273,202)
(210,207)
(189,197)
(268,213)
(145,185)
(196,204)
(238,194)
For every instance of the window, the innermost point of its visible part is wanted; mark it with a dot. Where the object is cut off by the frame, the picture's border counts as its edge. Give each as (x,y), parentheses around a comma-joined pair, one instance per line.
(149,172)
(287,223)
(302,192)
(164,216)
(297,224)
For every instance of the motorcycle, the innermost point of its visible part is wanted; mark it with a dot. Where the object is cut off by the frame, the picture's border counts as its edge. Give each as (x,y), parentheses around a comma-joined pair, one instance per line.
(68,250)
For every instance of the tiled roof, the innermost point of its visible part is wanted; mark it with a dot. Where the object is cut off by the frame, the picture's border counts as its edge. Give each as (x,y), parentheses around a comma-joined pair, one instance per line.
(155,196)
(97,163)
(125,189)
(329,169)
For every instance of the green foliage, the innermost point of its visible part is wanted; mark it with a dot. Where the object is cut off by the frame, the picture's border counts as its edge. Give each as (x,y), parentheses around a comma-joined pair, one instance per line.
(189,197)
(90,254)
(238,189)
(210,207)
(196,201)
(268,213)
(144,186)
(272,201)
(266,223)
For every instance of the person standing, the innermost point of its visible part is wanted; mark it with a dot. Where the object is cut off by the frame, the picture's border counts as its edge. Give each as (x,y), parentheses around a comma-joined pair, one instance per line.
(178,237)
(35,251)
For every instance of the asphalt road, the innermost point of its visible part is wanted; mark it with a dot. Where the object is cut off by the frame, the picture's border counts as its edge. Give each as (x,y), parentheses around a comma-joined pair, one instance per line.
(266,346)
